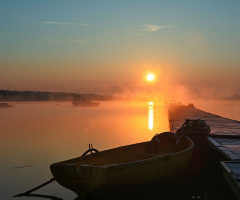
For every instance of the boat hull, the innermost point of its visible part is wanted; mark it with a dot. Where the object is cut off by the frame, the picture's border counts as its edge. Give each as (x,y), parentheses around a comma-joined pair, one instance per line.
(162,169)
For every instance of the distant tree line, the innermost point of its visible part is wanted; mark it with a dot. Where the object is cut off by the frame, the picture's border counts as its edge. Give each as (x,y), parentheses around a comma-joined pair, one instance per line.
(9,95)
(235,97)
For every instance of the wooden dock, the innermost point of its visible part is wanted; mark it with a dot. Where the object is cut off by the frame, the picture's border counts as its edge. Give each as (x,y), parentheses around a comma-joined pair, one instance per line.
(224,142)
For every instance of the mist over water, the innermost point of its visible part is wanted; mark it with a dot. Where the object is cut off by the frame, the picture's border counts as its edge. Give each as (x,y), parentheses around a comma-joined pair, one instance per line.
(35,135)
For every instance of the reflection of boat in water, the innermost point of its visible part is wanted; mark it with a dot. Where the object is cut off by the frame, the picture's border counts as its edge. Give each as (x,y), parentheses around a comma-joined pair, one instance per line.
(162,160)
(6,105)
(86,103)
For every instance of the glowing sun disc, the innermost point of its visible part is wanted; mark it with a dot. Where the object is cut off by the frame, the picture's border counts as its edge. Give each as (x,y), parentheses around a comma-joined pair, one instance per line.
(150,77)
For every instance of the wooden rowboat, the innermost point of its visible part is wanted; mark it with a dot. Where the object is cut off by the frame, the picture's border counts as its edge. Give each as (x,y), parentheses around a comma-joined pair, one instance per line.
(162,160)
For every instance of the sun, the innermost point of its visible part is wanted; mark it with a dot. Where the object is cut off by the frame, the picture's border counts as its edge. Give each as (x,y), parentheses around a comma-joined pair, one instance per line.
(150,77)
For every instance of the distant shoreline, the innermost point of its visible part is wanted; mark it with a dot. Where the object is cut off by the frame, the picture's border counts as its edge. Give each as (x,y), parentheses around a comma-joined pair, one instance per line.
(33,96)
(37,96)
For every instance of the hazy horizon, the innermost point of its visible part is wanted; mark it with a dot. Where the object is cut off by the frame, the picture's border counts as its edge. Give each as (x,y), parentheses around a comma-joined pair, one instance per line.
(108,47)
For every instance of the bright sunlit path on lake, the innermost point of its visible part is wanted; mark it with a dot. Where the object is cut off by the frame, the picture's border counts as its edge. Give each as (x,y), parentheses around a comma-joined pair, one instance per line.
(150,115)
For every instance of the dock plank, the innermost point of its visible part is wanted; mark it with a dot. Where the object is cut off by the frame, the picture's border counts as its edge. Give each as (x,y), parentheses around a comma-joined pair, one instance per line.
(231,172)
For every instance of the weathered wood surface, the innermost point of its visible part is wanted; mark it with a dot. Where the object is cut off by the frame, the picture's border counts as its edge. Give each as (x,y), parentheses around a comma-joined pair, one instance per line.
(229,148)
(231,172)
(232,144)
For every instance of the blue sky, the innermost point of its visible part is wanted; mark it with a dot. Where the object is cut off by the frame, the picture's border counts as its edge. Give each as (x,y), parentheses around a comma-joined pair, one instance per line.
(56,44)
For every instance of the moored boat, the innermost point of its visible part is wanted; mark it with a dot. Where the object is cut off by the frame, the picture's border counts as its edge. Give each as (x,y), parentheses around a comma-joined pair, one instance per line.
(85,103)
(6,105)
(162,160)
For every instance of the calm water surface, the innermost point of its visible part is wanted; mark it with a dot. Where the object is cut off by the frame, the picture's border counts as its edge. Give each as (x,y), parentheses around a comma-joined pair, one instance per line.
(35,135)
(225,108)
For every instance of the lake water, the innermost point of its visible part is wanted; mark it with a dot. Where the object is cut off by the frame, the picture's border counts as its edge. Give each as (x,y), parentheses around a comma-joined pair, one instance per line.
(225,108)
(35,135)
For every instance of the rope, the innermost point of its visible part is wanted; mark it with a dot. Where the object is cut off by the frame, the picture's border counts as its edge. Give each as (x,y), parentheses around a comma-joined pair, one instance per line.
(43,196)
(27,193)
(91,149)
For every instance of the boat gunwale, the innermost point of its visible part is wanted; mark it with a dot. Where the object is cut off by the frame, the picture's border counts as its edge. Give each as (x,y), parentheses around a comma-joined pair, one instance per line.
(70,161)
(155,158)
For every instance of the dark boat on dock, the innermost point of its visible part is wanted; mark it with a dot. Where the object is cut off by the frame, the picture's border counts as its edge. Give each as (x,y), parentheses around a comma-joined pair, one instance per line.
(197,130)
(6,105)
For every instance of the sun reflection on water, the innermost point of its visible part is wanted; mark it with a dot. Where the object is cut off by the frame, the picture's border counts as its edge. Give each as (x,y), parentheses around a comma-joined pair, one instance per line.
(150,115)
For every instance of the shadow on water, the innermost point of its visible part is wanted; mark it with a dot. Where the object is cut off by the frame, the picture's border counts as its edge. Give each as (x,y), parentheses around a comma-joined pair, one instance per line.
(208,185)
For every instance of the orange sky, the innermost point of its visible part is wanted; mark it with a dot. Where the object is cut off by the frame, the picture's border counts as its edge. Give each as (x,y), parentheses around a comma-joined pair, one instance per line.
(108,47)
